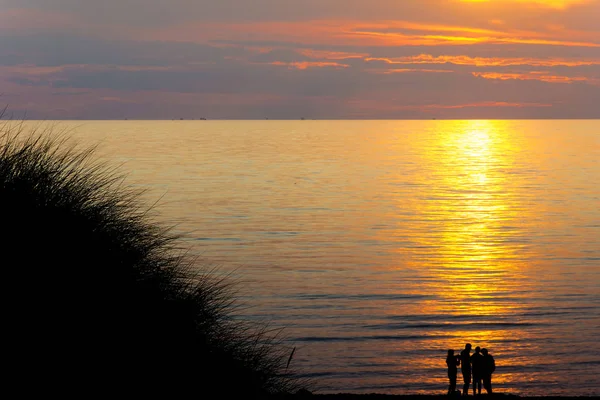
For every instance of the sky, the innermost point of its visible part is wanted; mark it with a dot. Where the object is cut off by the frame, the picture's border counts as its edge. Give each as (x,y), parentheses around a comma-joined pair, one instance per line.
(287,59)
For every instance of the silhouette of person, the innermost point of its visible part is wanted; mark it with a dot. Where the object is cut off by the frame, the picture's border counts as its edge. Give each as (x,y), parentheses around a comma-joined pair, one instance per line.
(489,366)
(452,361)
(465,368)
(477,367)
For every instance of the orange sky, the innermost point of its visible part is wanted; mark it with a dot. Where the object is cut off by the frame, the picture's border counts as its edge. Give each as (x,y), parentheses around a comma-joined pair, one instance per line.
(287,58)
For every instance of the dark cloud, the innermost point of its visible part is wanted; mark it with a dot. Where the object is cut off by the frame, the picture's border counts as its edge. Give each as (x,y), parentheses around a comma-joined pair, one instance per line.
(159,12)
(149,68)
(61,49)
(478,50)
(154,13)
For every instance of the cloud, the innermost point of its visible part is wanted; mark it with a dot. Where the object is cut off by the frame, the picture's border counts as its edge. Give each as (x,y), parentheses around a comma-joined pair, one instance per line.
(309,64)
(543,76)
(487,61)
(162,13)
(557,4)
(284,58)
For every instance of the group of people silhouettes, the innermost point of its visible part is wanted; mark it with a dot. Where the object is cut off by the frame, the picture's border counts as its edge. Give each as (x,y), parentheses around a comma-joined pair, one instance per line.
(479,365)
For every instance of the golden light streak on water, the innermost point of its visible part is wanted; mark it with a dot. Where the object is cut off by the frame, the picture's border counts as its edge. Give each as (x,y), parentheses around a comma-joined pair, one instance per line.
(464,201)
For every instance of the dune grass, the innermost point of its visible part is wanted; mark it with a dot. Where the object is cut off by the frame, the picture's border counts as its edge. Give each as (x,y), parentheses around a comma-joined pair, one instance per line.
(99,298)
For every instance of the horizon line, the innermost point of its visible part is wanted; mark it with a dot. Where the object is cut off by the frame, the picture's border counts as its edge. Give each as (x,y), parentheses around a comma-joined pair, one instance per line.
(305,119)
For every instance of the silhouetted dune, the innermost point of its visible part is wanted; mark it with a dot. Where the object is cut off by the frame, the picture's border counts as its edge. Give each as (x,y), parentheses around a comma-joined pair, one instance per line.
(100,299)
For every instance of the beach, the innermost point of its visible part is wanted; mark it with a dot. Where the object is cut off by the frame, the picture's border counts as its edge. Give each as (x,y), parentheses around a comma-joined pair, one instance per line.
(499,396)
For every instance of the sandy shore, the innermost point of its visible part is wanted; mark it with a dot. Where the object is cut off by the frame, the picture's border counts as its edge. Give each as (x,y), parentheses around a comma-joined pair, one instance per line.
(499,396)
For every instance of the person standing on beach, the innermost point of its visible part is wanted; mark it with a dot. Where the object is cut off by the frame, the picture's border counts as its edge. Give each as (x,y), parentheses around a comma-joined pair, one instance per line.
(477,367)
(489,366)
(452,362)
(465,367)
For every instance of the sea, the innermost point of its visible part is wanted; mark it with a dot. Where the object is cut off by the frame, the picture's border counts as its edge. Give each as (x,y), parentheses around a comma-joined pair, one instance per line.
(376,246)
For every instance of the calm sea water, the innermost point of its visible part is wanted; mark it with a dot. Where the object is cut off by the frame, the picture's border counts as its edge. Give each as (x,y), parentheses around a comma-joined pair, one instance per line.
(381,244)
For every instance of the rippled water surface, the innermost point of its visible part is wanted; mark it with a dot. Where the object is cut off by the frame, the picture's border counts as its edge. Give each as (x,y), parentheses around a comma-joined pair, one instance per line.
(381,244)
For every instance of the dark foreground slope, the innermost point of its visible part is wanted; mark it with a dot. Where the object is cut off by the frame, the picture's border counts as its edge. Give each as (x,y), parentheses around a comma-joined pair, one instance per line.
(97,298)
(374,396)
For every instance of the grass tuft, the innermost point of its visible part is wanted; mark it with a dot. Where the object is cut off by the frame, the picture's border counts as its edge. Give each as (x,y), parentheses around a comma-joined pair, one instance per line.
(100,299)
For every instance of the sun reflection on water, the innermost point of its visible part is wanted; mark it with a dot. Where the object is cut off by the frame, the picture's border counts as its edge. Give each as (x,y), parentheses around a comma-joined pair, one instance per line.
(467,250)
